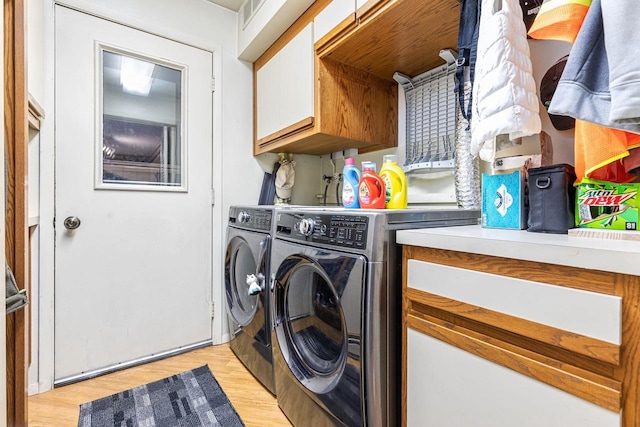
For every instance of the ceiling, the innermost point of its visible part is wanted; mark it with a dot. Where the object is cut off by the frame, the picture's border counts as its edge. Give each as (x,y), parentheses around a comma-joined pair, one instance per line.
(229,4)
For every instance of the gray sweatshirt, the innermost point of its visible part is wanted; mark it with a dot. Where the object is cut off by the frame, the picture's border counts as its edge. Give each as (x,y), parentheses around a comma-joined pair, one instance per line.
(601,81)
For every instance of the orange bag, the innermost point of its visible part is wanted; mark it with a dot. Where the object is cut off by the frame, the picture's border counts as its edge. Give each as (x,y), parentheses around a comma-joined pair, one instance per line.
(599,152)
(559,20)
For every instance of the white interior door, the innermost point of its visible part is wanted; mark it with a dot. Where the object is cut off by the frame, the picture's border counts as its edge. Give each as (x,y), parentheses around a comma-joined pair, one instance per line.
(134,175)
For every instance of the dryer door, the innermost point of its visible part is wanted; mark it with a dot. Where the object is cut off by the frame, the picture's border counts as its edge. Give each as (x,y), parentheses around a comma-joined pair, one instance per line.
(318,310)
(246,264)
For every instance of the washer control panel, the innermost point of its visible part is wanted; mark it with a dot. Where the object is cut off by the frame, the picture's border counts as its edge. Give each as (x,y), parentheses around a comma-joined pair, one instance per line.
(251,218)
(348,231)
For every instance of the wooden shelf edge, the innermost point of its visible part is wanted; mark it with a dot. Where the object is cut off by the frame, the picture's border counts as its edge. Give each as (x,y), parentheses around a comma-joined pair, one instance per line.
(294,129)
(581,344)
(311,142)
(590,280)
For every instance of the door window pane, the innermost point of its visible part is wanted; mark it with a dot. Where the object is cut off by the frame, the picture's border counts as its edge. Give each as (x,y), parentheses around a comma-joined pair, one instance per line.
(141,123)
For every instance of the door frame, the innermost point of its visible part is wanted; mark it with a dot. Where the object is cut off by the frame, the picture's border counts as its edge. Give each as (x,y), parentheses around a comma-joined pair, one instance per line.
(15,242)
(3,321)
(47,173)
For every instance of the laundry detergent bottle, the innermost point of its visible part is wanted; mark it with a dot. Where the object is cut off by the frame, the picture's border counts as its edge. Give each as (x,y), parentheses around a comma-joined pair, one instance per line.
(371,191)
(395,182)
(351,179)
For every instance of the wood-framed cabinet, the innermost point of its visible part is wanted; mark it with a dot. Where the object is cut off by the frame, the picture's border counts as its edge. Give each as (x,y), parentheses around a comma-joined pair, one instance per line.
(284,89)
(394,35)
(490,341)
(355,99)
(306,104)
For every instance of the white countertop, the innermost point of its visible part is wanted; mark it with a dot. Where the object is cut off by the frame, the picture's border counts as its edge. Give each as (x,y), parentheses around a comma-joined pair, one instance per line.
(618,256)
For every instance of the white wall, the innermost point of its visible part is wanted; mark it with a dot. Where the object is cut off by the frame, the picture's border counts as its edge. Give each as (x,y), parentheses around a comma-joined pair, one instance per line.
(307,170)
(544,54)
(237,174)
(33,201)
(35,52)
(271,19)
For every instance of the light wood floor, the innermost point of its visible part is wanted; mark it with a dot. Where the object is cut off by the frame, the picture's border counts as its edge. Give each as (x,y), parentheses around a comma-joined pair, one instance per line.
(255,405)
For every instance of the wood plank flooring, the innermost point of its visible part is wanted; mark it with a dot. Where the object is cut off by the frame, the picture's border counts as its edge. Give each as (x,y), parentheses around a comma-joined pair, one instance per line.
(255,405)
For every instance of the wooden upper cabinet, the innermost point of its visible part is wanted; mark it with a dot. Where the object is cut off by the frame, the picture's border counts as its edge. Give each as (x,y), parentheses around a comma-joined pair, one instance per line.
(352,109)
(311,106)
(355,99)
(284,86)
(395,35)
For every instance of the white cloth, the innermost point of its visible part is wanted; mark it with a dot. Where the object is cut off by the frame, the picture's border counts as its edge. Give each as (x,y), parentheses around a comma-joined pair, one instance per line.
(504,91)
(285,177)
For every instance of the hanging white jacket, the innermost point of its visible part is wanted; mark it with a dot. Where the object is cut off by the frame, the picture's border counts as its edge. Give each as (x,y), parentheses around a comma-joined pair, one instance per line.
(504,91)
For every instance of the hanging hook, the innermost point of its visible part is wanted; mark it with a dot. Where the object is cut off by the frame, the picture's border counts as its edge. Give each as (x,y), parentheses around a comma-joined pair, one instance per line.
(285,158)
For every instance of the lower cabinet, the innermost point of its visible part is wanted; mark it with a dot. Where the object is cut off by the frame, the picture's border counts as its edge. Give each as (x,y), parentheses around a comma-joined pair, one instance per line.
(448,386)
(493,341)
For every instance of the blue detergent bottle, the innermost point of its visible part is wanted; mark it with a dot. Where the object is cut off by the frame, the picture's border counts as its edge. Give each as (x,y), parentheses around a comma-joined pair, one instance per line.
(351,178)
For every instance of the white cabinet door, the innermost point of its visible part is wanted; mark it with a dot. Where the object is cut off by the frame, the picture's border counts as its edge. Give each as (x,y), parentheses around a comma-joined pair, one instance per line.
(335,12)
(296,72)
(586,313)
(452,386)
(285,86)
(268,89)
(447,386)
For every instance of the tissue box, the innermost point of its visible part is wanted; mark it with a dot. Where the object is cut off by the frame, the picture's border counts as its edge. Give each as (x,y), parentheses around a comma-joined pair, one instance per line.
(607,205)
(503,201)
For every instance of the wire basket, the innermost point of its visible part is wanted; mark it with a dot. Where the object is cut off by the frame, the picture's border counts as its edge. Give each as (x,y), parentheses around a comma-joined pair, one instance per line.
(431,118)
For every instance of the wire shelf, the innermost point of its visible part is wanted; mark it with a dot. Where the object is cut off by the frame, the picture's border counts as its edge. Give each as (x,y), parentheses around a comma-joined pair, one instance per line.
(431,119)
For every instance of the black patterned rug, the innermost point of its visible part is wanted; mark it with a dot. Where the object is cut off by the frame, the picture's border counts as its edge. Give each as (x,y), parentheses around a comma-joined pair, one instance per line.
(193,398)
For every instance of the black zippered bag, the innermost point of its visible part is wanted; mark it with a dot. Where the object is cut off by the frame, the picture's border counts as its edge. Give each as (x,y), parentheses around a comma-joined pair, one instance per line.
(551,199)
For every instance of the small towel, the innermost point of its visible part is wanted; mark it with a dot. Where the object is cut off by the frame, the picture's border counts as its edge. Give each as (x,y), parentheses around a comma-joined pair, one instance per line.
(15,299)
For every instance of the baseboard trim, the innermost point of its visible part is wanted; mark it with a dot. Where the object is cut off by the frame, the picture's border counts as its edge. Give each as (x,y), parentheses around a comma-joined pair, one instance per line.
(124,365)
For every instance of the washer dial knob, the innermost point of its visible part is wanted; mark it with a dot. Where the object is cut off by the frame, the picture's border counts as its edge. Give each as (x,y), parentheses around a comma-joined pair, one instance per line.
(244,217)
(306,226)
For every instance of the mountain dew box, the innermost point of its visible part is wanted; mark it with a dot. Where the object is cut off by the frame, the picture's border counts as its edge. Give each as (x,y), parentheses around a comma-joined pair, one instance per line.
(607,205)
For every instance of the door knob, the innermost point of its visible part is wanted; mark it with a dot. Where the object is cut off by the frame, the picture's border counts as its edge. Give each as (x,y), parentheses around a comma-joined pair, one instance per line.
(72,222)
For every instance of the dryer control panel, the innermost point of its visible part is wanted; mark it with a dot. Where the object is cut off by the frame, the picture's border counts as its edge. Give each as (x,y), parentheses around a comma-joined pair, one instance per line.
(251,218)
(348,231)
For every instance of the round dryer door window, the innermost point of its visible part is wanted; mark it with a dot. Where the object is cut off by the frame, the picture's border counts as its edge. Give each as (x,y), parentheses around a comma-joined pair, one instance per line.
(313,329)
(316,323)
(239,265)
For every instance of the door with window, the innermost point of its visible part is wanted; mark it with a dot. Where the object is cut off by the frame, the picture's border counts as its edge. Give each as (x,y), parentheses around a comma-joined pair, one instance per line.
(133,195)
